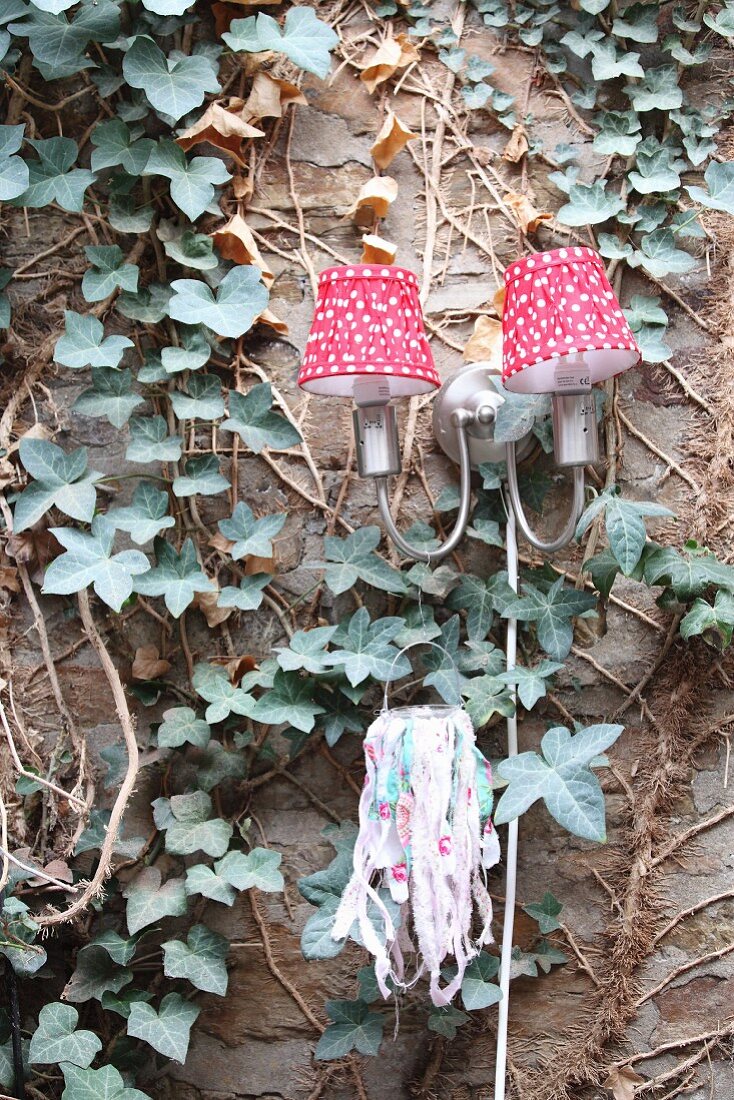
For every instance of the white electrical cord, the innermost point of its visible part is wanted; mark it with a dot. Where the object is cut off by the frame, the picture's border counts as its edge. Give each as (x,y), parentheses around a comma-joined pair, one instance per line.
(511,860)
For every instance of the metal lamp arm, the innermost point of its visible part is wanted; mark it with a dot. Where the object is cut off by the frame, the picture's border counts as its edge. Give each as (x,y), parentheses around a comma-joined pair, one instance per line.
(461,419)
(576,509)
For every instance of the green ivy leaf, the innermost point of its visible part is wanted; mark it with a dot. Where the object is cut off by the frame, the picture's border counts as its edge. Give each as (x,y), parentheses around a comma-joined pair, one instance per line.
(478,597)
(258,868)
(659,90)
(168,1030)
(148,306)
(202,399)
(721,21)
(517,415)
(624,524)
(561,776)
(52,179)
(305,40)
(174,85)
(353,558)
(250,535)
(619,134)
(545,912)
(190,249)
(307,650)
(97,1084)
(638,22)
(192,353)
(217,764)
(111,396)
(655,168)
(250,416)
(608,62)
(119,950)
(146,516)
(589,204)
(445,1021)
(89,560)
(201,476)
(552,611)
(477,989)
(201,879)
(192,181)
(249,595)
(719,179)
(201,959)
(176,577)
(354,1027)
(486,696)
(61,481)
(14,175)
(150,441)
(212,684)
(96,973)
(149,900)
(689,574)
(56,1040)
(84,343)
(58,45)
(659,256)
(190,828)
(116,144)
(715,624)
(240,298)
(290,700)
(180,726)
(367,649)
(530,682)
(108,273)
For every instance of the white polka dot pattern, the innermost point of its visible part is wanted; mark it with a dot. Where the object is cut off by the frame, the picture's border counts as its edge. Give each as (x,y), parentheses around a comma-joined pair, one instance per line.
(559,303)
(368,322)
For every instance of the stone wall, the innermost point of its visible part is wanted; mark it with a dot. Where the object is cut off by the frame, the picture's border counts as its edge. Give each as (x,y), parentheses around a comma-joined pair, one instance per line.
(257,1042)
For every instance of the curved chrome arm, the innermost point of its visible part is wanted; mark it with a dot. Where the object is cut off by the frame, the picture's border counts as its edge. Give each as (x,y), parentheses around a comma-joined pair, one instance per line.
(461,419)
(576,509)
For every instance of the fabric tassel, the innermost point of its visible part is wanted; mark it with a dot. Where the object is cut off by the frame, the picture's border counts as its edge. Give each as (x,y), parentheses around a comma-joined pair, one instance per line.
(425,837)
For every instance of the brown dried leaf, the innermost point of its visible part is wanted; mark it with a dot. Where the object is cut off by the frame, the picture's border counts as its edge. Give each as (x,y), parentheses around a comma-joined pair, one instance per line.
(377,251)
(148,664)
(224,128)
(9,578)
(219,542)
(267,317)
(528,218)
(236,242)
(485,342)
(269,96)
(260,565)
(391,55)
(498,300)
(393,136)
(517,146)
(243,188)
(237,667)
(34,548)
(374,200)
(206,602)
(223,16)
(621,1082)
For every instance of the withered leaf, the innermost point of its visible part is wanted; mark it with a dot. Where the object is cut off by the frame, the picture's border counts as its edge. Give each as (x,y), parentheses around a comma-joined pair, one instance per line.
(391,55)
(485,342)
(393,136)
(374,200)
(269,97)
(621,1082)
(517,146)
(528,218)
(235,242)
(223,127)
(148,664)
(267,317)
(206,602)
(375,250)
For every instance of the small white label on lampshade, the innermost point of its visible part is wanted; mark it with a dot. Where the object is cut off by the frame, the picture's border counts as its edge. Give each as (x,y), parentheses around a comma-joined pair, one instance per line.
(371,391)
(572,377)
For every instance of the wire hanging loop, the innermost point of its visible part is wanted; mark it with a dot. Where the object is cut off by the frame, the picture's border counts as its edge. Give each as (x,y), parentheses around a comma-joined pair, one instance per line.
(434,645)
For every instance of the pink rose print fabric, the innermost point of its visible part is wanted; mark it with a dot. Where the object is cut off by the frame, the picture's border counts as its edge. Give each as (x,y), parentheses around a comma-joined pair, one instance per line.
(367,323)
(425,841)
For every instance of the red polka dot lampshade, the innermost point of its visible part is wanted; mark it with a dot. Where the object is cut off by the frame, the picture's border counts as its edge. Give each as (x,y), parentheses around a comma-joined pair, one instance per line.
(561,312)
(368,323)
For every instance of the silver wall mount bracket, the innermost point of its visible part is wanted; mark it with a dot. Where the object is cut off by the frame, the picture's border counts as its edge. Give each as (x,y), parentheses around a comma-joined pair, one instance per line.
(471,390)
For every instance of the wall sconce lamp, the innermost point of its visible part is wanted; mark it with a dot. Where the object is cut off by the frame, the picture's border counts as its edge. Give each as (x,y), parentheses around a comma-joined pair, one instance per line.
(563,331)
